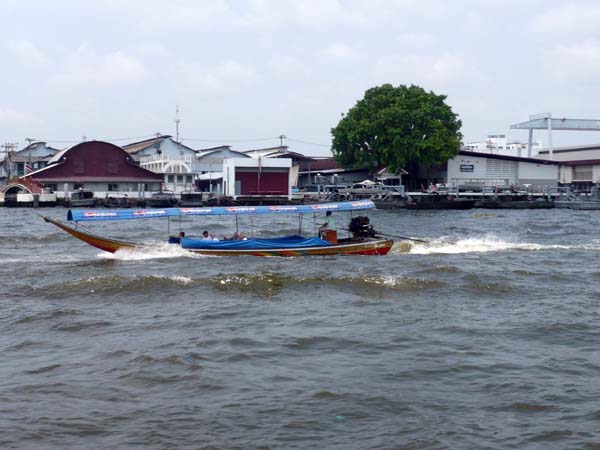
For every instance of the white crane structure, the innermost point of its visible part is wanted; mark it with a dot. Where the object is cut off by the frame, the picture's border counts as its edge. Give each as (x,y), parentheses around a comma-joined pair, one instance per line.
(545,121)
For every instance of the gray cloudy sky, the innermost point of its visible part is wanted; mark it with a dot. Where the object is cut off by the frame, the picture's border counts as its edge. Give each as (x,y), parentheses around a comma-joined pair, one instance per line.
(244,70)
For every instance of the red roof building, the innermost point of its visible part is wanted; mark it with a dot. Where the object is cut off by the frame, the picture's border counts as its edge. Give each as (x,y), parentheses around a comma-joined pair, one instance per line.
(97,166)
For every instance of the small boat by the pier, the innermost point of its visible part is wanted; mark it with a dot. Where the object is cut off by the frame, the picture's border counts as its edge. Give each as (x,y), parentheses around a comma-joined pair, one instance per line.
(436,201)
(510,203)
(192,198)
(82,198)
(363,240)
(116,201)
(162,199)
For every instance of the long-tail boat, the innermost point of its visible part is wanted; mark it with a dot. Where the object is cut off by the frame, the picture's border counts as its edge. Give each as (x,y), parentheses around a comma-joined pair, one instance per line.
(361,241)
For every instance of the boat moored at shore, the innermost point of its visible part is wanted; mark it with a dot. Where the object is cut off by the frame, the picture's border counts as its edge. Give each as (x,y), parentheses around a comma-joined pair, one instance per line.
(82,198)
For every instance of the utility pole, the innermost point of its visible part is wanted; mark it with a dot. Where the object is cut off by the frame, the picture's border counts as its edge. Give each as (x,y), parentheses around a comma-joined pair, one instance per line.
(8,148)
(30,163)
(177,120)
(157,143)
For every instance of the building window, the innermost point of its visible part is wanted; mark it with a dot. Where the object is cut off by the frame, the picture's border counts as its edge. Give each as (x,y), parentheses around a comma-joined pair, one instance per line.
(77,186)
(179,179)
(113,187)
(583,173)
(170,178)
(51,187)
(188,179)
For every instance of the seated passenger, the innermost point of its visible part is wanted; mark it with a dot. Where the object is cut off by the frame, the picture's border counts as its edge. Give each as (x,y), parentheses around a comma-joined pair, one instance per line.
(205,236)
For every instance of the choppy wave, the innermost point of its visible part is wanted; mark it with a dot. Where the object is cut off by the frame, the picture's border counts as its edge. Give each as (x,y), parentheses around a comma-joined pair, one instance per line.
(271,283)
(263,284)
(49,315)
(480,244)
(111,285)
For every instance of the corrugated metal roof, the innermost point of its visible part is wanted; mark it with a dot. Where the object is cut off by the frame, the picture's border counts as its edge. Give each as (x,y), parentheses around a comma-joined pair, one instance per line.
(56,158)
(507,157)
(139,146)
(82,179)
(581,162)
(570,149)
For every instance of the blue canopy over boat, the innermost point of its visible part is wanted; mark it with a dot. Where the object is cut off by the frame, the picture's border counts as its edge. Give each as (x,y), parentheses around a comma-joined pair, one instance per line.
(78,215)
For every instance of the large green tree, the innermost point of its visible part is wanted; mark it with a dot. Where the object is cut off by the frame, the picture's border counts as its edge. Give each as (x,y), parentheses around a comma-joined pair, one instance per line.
(397,127)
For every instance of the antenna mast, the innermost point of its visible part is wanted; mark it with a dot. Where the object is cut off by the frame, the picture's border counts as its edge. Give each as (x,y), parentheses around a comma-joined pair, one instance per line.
(177,120)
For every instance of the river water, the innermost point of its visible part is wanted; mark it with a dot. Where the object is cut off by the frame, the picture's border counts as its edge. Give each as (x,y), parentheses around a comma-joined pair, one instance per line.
(485,337)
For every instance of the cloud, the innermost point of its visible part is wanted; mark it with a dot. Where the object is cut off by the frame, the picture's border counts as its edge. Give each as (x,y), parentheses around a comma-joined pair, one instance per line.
(324,12)
(580,61)
(228,75)
(115,68)
(574,18)
(27,52)
(179,16)
(436,70)
(339,51)
(13,116)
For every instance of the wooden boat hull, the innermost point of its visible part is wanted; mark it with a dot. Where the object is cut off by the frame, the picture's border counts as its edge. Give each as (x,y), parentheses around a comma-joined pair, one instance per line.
(366,247)
(106,244)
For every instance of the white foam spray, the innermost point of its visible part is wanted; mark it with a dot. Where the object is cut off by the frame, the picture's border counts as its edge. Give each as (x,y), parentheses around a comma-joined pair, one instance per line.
(486,243)
(158,251)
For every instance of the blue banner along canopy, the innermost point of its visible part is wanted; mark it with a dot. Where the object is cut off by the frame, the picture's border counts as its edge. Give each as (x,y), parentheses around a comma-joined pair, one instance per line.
(78,215)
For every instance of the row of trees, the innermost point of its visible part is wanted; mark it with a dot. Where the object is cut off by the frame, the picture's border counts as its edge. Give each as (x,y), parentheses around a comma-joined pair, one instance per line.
(400,127)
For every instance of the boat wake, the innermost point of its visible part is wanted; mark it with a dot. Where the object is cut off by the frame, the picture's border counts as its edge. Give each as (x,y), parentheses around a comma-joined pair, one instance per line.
(487,243)
(158,251)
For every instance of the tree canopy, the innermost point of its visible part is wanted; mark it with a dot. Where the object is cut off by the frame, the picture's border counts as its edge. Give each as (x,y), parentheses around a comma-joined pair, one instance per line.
(397,127)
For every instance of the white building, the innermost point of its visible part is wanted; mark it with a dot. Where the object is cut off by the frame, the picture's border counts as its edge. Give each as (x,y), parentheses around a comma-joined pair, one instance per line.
(167,157)
(497,144)
(258,177)
(502,171)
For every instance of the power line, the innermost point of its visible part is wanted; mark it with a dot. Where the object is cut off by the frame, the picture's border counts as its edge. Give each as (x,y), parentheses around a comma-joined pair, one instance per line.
(148,136)
(132,138)
(65,141)
(231,140)
(308,143)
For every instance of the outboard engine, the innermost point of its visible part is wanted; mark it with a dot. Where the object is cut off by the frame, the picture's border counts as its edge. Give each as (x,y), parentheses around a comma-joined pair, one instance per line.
(360,228)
